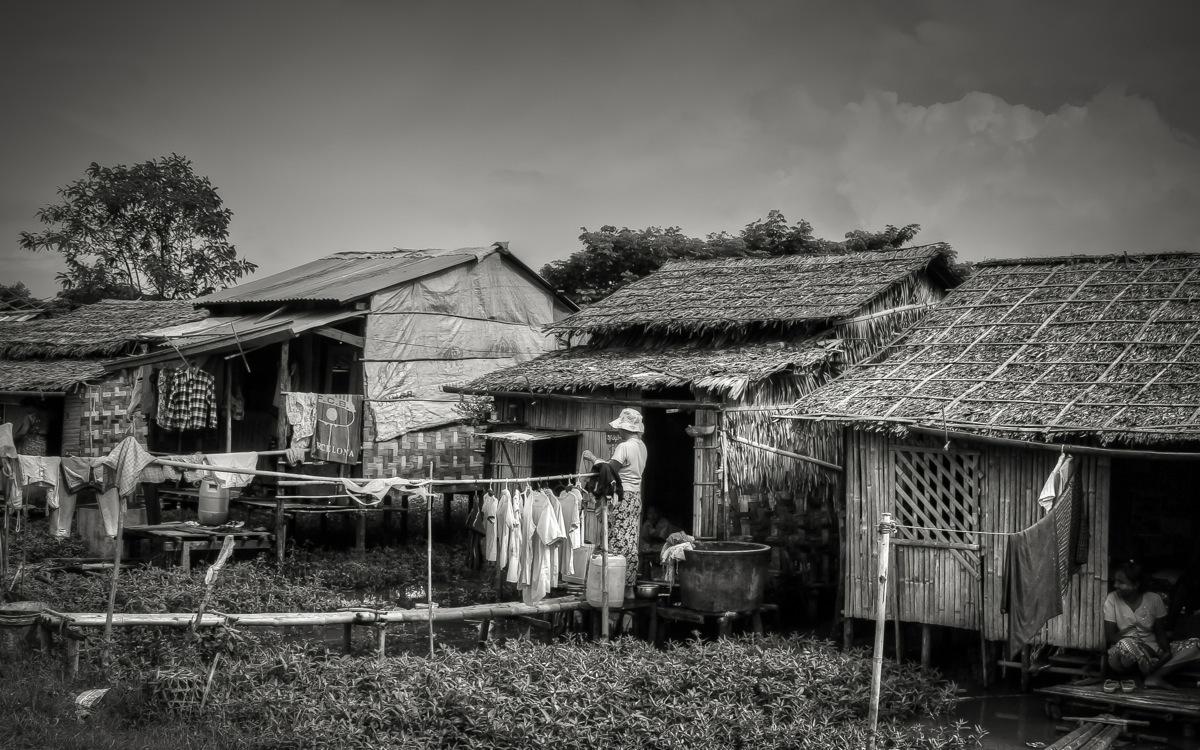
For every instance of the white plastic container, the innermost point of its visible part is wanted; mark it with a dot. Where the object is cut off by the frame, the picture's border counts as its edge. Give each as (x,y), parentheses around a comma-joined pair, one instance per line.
(213,508)
(616,580)
(579,562)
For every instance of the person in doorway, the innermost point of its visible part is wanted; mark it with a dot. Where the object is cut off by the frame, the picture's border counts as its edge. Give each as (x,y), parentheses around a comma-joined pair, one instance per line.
(625,516)
(655,530)
(1133,630)
(31,431)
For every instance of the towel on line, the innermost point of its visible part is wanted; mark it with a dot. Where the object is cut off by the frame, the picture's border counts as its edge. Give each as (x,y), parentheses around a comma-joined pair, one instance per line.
(233,480)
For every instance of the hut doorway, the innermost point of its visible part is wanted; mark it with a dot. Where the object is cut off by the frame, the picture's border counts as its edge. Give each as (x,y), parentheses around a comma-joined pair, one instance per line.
(1155,521)
(554,456)
(670,465)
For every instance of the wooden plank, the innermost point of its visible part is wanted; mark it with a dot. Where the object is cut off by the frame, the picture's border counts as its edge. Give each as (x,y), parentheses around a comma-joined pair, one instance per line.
(342,336)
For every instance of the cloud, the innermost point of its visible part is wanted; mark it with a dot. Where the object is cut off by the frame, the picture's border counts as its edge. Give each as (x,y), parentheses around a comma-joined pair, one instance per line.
(994,178)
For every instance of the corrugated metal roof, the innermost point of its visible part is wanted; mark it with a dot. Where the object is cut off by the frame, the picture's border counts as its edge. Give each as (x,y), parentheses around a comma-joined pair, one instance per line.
(527,436)
(344,277)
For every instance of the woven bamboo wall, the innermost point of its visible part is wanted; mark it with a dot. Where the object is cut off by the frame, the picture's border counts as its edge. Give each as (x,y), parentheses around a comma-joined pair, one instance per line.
(452,448)
(94,418)
(942,587)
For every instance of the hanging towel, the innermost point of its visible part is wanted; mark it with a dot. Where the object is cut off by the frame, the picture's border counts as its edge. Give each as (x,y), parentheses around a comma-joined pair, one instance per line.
(338,435)
(489,507)
(63,516)
(110,511)
(1040,561)
(127,461)
(301,414)
(230,479)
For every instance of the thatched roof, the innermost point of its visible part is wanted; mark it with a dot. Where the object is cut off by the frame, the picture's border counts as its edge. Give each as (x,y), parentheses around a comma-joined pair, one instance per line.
(730,293)
(104,329)
(47,374)
(1102,347)
(727,370)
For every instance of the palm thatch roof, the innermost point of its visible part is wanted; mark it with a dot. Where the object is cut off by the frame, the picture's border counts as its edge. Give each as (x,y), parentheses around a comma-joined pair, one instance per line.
(47,374)
(1102,347)
(728,370)
(725,294)
(104,329)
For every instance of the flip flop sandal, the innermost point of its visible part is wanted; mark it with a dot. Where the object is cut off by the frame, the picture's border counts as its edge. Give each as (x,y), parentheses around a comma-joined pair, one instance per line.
(1111,686)
(1128,686)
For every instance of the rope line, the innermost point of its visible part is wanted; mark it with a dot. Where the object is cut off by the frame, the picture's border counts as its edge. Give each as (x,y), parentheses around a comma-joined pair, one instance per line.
(953,531)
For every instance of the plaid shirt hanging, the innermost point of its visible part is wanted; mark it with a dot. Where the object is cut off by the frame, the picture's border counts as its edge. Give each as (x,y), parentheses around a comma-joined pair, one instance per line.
(186,400)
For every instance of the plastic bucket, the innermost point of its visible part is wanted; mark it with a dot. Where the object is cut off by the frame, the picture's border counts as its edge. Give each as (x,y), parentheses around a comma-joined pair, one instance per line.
(616,580)
(214,503)
(724,576)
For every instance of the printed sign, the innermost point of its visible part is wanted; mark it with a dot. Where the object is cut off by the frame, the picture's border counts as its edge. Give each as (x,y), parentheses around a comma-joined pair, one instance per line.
(338,435)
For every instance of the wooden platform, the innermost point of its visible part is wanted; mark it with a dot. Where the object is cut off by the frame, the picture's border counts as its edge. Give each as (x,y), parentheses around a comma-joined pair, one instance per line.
(165,539)
(1181,704)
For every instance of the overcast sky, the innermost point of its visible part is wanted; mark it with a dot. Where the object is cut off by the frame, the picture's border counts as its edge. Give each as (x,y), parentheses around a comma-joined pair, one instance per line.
(1005,129)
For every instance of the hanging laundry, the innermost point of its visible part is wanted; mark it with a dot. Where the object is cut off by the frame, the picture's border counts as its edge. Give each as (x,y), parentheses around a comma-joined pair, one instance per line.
(127,461)
(673,550)
(561,559)
(233,480)
(508,535)
(77,475)
(377,488)
(137,392)
(297,450)
(41,471)
(301,411)
(338,435)
(157,473)
(572,502)
(186,399)
(1054,484)
(1040,560)
(237,403)
(545,531)
(110,511)
(489,507)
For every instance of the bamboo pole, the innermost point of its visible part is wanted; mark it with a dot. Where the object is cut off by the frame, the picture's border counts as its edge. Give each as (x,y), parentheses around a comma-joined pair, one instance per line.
(881,593)
(429,559)
(112,590)
(724,475)
(210,578)
(604,568)
(228,408)
(4,544)
(788,454)
(302,619)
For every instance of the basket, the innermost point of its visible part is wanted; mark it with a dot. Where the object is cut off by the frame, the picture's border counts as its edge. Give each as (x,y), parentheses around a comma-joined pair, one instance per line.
(178,689)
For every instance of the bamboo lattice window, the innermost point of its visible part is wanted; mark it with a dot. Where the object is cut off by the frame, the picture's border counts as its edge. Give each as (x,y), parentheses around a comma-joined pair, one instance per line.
(938,491)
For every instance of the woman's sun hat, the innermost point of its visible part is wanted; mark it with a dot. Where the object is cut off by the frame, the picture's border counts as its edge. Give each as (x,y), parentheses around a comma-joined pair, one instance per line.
(630,420)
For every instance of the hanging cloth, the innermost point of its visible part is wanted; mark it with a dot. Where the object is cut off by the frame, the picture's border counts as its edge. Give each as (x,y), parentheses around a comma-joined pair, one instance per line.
(1040,561)
(338,434)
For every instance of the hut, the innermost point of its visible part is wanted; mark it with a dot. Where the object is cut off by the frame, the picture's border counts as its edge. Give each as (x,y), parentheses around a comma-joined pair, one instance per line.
(57,365)
(954,428)
(389,326)
(709,350)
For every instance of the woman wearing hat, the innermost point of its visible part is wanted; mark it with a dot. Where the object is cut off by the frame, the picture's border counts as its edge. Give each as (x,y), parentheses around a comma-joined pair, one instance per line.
(625,518)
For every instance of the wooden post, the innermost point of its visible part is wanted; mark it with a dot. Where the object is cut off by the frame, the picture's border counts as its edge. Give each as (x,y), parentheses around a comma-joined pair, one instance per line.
(429,559)
(347,637)
(404,518)
(360,532)
(4,542)
(881,589)
(983,647)
(724,476)
(847,632)
(228,407)
(112,589)
(893,592)
(71,657)
(153,503)
(280,529)
(926,644)
(381,647)
(604,567)
(447,509)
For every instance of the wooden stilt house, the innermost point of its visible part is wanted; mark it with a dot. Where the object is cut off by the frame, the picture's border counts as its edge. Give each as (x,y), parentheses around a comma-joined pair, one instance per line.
(954,428)
(709,350)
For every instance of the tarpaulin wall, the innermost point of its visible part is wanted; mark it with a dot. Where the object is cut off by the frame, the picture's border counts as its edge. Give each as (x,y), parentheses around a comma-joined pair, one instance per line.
(449,328)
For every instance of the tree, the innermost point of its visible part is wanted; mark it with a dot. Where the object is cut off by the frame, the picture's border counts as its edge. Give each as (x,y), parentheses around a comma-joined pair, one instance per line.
(154,229)
(16,293)
(611,257)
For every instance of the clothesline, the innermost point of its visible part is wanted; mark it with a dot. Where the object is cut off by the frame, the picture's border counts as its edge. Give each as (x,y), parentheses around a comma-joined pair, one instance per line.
(410,483)
(953,531)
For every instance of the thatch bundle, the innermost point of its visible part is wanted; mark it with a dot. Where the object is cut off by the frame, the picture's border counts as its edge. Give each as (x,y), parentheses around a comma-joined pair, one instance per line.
(724,370)
(1101,348)
(105,329)
(47,374)
(707,296)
